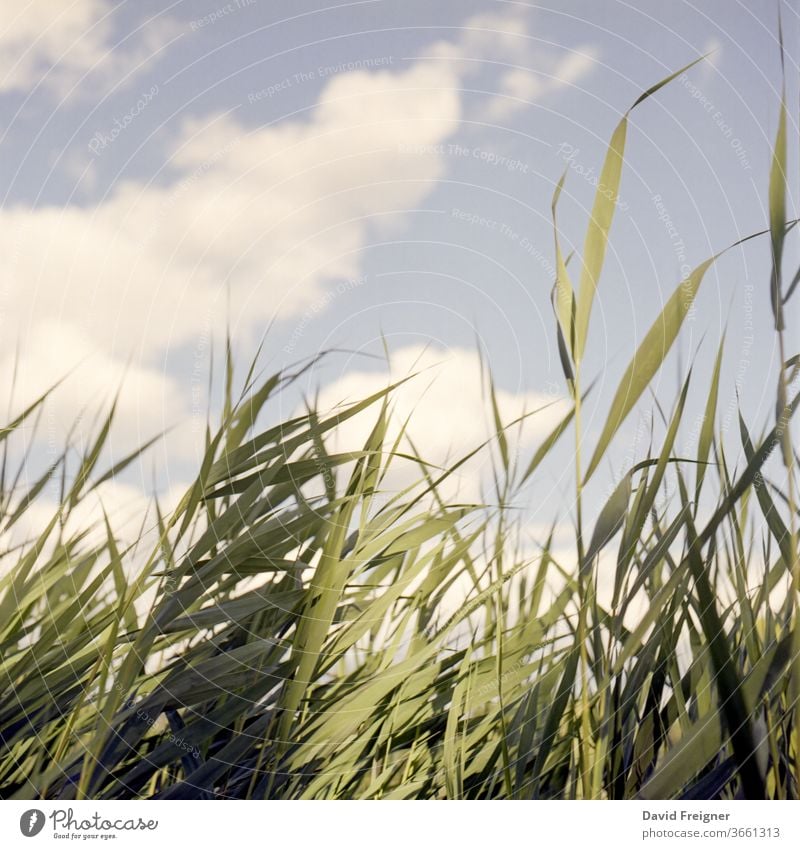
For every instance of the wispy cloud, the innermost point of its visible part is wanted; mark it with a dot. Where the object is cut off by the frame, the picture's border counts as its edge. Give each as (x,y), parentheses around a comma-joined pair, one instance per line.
(54,44)
(522,86)
(265,217)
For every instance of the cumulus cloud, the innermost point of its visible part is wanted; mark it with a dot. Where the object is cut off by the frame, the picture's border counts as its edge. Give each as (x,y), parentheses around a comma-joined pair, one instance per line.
(270,213)
(55,43)
(265,217)
(447,414)
(502,43)
(54,350)
(39,35)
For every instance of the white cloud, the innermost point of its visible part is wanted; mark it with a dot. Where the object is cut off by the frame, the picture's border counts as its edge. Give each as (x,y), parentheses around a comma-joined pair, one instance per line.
(57,43)
(148,399)
(131,515)
(523,86)
(488,35)
(272,212)
(126,507)
(448,415)
(529,71)
(149,404)
(39,35)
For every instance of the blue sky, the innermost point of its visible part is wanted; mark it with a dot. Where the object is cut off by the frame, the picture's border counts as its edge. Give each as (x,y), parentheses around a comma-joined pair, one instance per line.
(377,170)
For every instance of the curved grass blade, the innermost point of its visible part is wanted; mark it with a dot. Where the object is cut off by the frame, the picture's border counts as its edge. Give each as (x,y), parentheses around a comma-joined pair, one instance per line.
(605,203)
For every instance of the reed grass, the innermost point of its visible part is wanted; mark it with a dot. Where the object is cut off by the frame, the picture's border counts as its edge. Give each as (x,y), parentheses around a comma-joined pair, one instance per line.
(288,635)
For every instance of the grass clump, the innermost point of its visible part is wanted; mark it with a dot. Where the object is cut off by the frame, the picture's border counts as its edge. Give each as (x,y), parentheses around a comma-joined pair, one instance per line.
(289,636)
